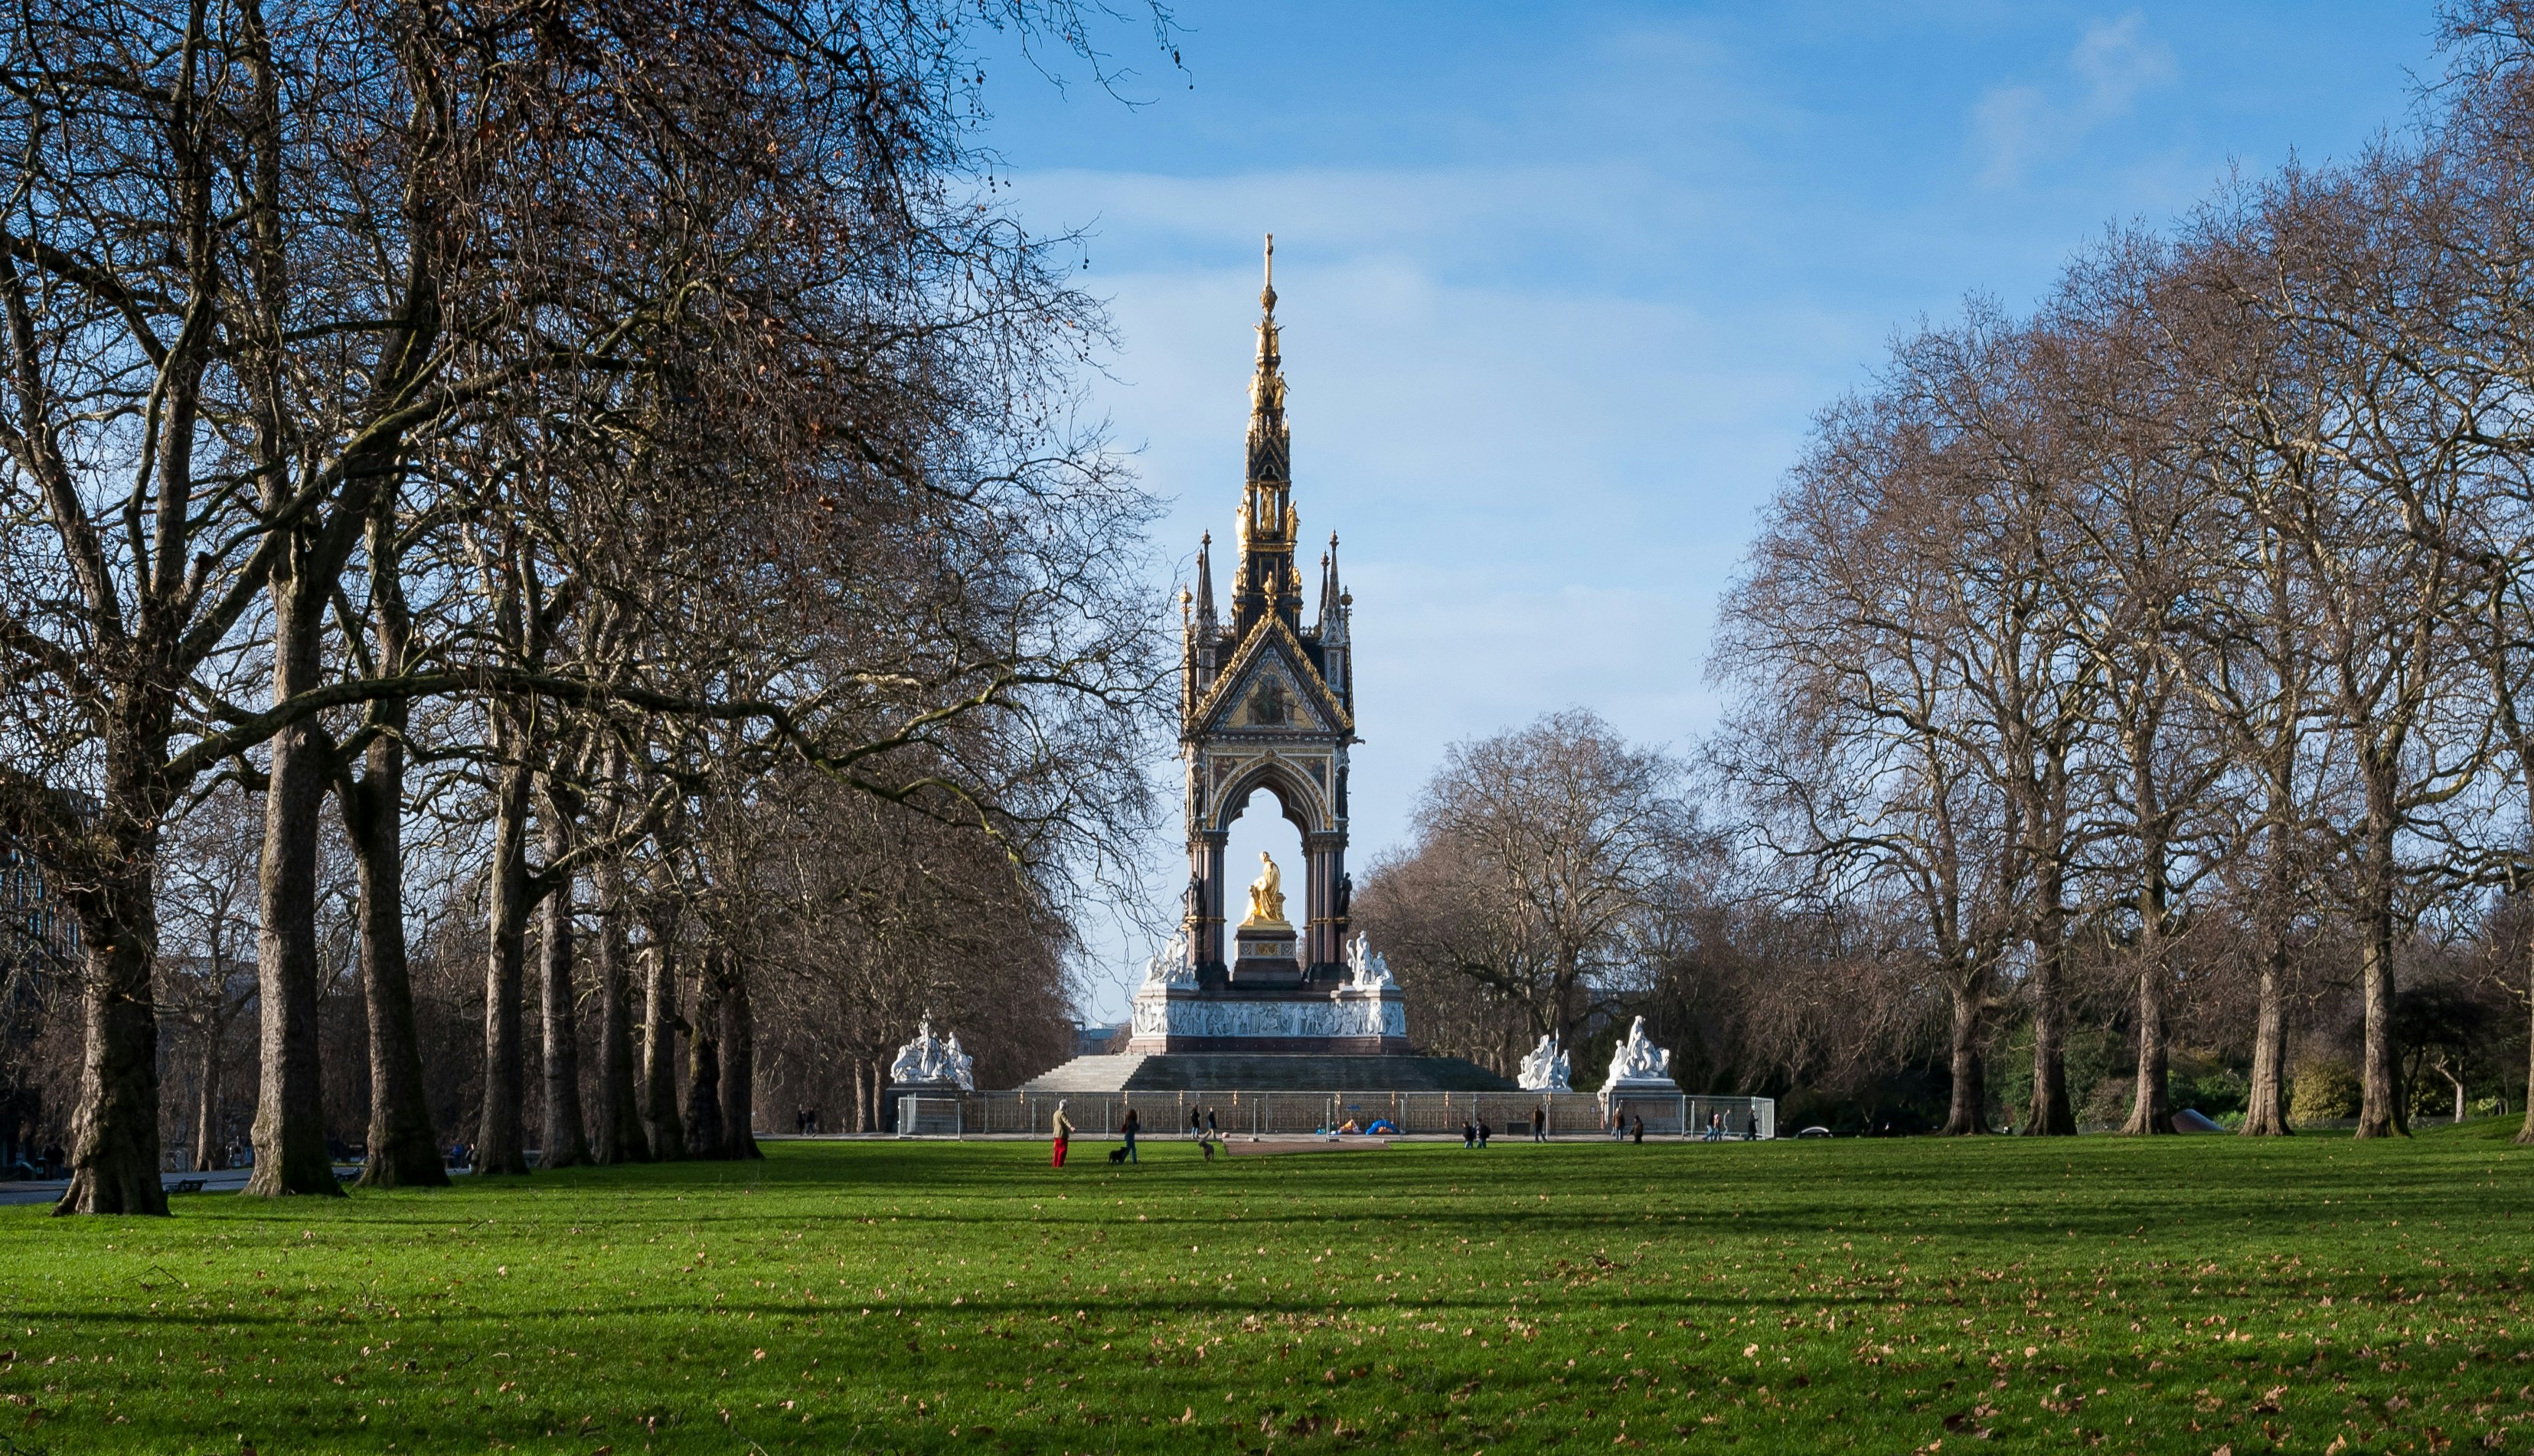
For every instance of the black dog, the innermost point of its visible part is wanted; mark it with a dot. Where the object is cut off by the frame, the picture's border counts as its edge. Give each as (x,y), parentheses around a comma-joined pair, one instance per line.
(1116,1155)
(1208,1145)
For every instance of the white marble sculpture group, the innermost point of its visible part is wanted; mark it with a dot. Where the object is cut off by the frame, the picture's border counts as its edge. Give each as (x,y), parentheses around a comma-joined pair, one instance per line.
(1170,965)
(1369,970)
(1639,1064)
(932,1062)
(1545,1068)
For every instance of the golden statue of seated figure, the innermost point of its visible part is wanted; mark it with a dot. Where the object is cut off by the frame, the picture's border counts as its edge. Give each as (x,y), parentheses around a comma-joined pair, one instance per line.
(1267,896)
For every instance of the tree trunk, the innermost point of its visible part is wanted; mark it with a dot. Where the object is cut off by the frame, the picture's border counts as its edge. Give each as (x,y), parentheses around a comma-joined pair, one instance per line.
(738,1065)
(2381,1112)
(665,1133)
(206,1100)
(500,1131)
(404,1147)
(2525,1133)
(1970,1113)
(703,1073)
(289,1110)
(618,1123)
(2266,1113)
(2151,1107)
(566,1142)
(114,1135)
(2050,1115)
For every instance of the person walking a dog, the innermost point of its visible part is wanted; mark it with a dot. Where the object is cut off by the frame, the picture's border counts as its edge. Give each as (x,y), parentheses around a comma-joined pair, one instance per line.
(1063,1129)
(1133,1125)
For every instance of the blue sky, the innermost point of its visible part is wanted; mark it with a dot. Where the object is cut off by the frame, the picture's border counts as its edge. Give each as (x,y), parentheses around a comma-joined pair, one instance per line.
(1563,285)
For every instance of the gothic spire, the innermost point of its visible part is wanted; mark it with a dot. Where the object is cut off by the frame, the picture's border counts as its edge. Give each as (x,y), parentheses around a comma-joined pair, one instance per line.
(1269,445)
(1205,583)
(1329,585)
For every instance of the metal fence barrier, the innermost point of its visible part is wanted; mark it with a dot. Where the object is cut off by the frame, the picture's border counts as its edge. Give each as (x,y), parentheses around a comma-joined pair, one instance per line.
(1098,1115)
(931,1116)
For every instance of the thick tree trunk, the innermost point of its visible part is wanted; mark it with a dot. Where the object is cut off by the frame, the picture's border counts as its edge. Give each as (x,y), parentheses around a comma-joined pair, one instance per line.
(2265,1115)
(114,1134)
(703,1073)
(738,1065)
(501,1138)
(660,1122)
(403,1146)
(289,1112)
(2152,1104)
(1969,1111)
(2050,1115)
(619,1121)
(2381,1112)
(566,1142)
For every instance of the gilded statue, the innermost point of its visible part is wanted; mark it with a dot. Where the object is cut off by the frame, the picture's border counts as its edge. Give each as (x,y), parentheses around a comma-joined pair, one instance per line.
(1267,893)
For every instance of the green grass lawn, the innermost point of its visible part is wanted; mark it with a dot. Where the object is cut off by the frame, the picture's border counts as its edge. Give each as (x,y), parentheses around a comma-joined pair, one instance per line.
(2182,1295)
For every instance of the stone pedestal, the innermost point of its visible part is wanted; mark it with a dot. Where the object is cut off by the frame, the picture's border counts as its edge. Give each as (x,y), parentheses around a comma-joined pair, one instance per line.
(1265,954)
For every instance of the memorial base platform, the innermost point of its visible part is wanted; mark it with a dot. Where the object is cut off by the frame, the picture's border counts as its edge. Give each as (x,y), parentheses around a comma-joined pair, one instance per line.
(1267,1072)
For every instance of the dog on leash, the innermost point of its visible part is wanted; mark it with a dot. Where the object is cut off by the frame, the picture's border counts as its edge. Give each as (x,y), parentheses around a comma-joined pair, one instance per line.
(1116,1155)
(1207,1143)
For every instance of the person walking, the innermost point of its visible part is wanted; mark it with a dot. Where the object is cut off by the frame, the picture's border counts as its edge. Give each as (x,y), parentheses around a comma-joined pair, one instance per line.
(1211,1130)
(1540,1123)
(1637,1129)
(1064,1129)
(1619,1124)
(1196,1123)
(1468,1133)
(1133,1125)
(1485,1132)
(1751,1126)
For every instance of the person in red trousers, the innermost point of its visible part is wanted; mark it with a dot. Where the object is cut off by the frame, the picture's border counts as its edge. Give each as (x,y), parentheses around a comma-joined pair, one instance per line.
(1063,1132)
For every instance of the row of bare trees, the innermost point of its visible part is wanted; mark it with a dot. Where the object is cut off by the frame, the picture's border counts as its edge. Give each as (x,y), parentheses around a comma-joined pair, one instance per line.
(547,457)
(2151,670)
(2196,607)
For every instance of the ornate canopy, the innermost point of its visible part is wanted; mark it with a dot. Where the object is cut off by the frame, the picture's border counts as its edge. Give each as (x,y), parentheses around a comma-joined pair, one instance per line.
(1265,701)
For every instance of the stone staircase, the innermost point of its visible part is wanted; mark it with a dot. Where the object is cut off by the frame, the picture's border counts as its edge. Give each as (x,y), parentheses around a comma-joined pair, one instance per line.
(1267,1072)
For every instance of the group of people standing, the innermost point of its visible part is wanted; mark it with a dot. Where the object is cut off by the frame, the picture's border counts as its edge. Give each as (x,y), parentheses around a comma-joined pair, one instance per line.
(1201,1126)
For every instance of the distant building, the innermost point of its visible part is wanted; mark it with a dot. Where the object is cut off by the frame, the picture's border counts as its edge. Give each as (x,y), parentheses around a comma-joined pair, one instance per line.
(36,927)
(1099,1041)
(40,941)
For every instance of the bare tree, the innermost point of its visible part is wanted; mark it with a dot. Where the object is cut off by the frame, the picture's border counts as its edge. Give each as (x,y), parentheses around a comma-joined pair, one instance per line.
(1551,848)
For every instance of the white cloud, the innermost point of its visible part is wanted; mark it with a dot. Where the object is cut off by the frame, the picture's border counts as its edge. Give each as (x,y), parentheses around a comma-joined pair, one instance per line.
(2113,63)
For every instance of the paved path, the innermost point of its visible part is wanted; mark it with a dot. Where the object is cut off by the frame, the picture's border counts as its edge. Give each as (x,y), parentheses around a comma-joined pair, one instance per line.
(50,1190)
